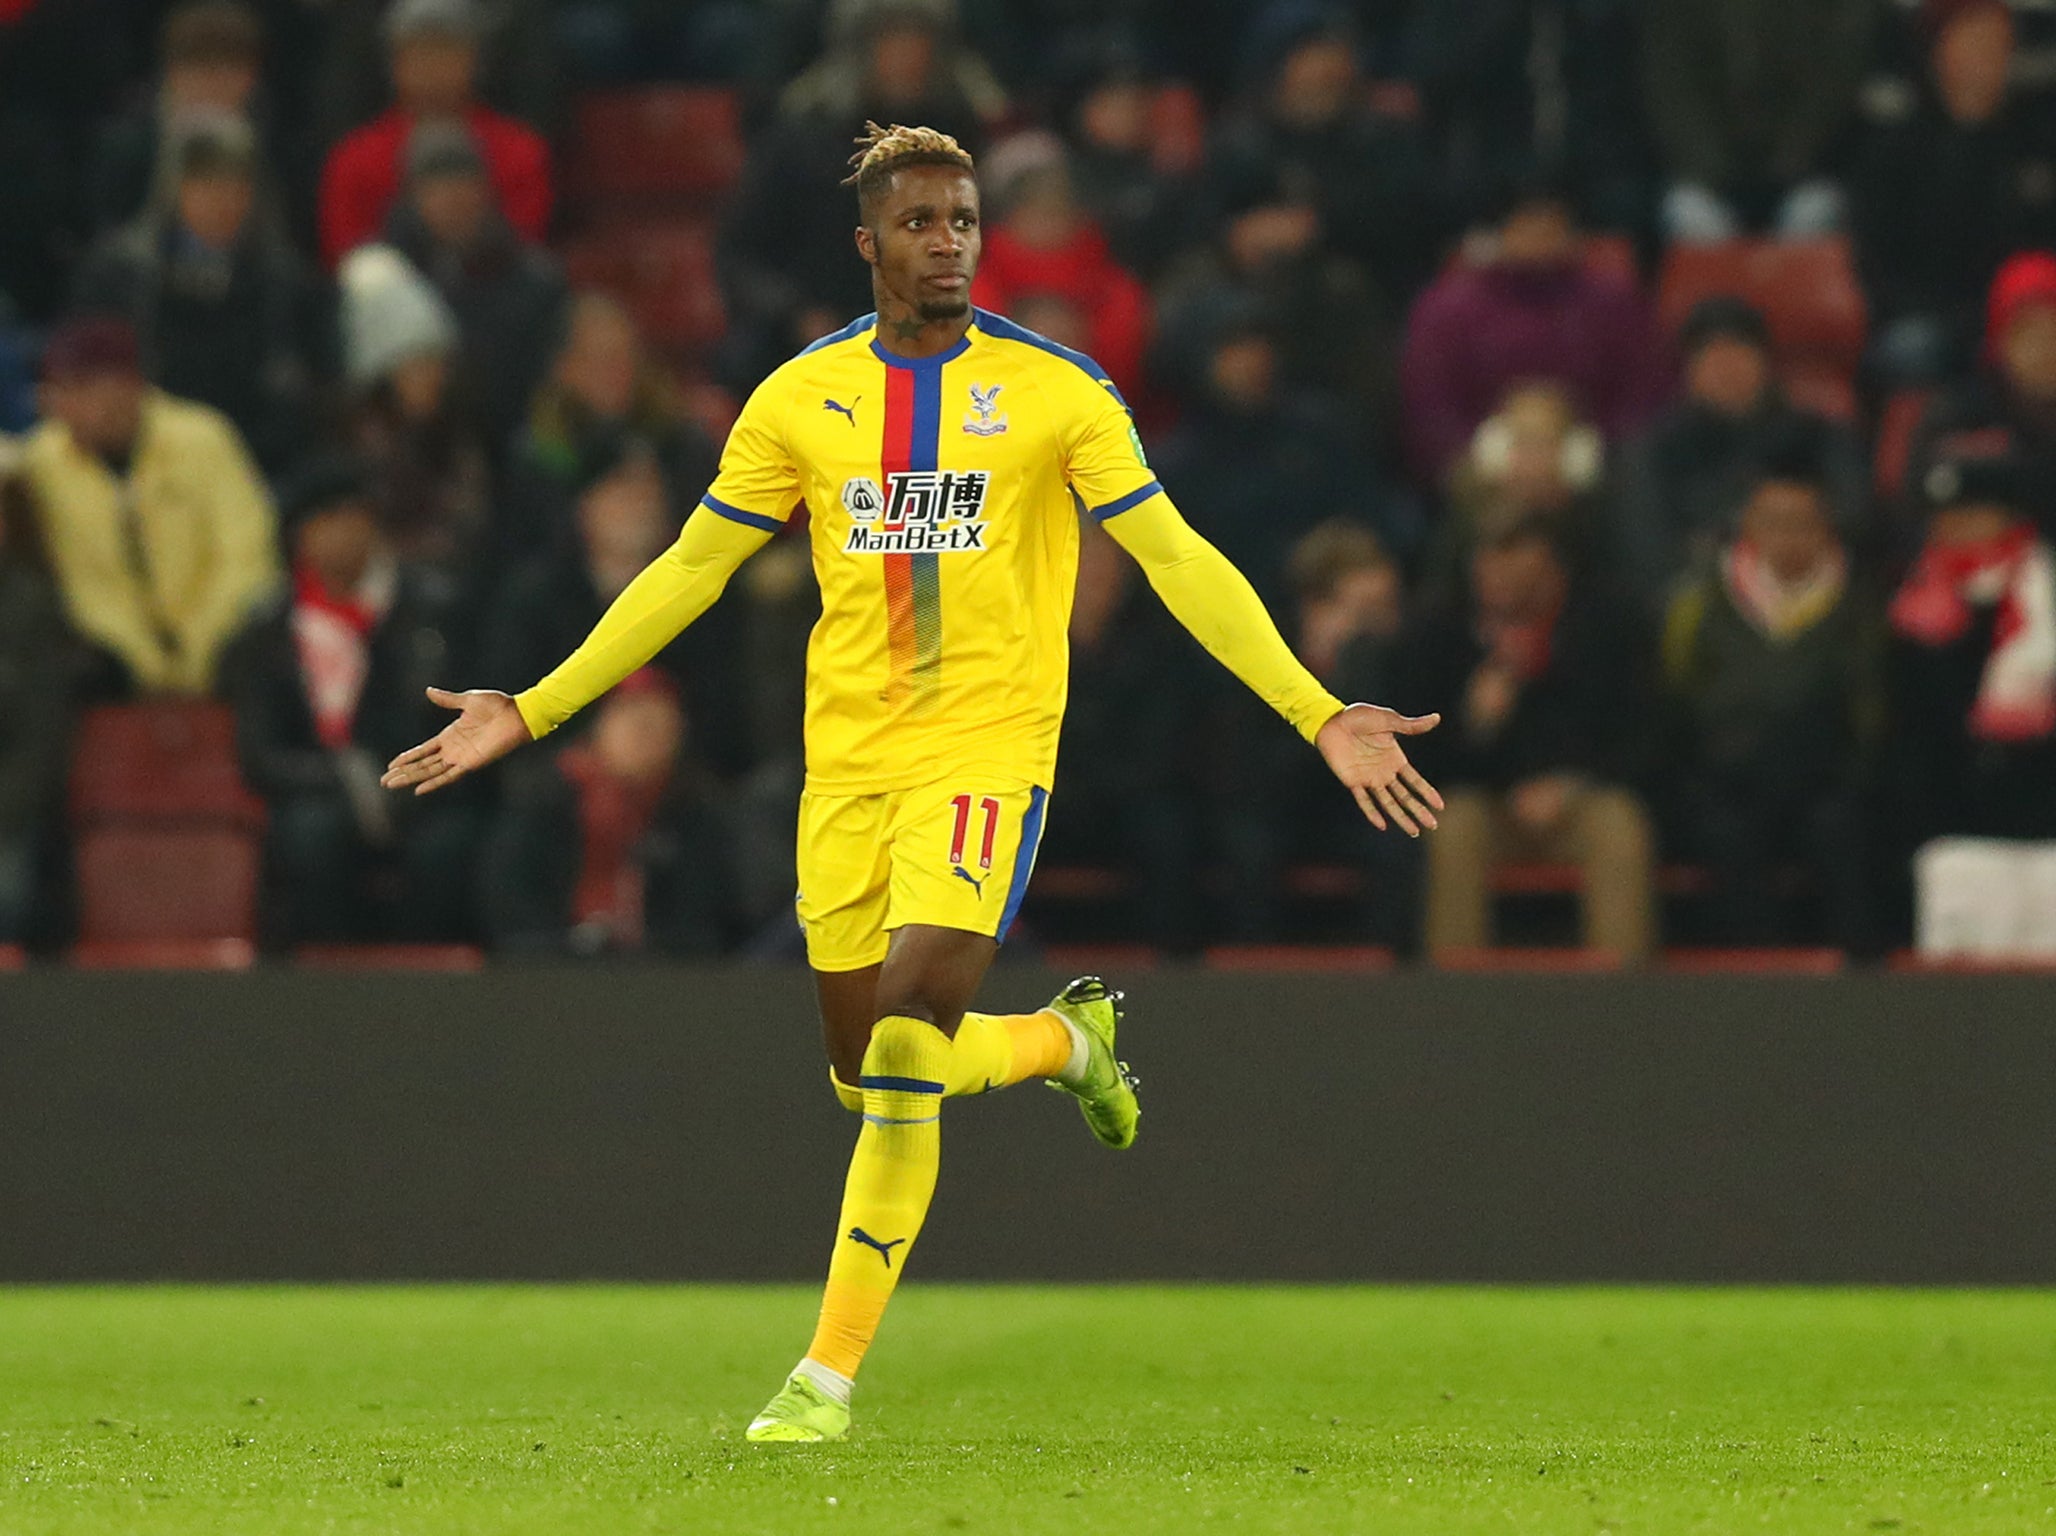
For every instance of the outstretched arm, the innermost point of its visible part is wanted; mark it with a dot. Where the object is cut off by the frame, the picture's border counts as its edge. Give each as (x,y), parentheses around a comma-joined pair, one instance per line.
(1216,603)
(676,588)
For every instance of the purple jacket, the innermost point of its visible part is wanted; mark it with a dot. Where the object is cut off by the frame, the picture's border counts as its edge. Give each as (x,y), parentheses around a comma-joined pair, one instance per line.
(1476,331)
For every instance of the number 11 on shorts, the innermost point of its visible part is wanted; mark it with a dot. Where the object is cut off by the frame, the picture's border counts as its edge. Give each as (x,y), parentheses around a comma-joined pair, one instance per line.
(961,834)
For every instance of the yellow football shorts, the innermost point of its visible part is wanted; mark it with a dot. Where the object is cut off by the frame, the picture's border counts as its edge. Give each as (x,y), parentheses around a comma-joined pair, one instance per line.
(953,854)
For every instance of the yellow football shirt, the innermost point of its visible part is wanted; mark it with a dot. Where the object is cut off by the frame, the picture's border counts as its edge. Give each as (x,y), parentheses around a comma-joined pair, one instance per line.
(942,495)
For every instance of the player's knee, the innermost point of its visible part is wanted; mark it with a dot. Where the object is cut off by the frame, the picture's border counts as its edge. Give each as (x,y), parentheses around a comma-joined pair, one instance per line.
(900,1047)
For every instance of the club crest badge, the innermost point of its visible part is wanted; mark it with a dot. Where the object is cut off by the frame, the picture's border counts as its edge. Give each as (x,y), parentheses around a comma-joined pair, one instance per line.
(983,419)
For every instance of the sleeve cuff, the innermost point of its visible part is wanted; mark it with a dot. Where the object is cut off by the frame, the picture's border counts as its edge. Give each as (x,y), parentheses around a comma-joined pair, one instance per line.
(534,715)
(737,515)
(1134,498)
(1317,712)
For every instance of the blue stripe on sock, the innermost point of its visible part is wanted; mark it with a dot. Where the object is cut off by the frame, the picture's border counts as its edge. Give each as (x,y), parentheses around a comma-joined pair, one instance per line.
(1024,858)
(900,1084)
(889,1120)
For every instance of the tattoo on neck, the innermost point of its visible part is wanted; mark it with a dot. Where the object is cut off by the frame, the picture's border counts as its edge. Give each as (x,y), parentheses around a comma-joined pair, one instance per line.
(906,327)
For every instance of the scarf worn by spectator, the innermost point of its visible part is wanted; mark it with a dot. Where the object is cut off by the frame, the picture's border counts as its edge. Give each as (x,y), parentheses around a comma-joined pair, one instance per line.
(2016,699)
(614,815)
(333,634)
(1777,609)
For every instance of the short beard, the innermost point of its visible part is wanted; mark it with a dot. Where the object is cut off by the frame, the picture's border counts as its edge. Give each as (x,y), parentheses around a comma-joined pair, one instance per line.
(932,310)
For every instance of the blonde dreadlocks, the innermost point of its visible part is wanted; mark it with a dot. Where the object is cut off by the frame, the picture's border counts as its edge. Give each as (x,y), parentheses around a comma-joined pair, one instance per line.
(882,151)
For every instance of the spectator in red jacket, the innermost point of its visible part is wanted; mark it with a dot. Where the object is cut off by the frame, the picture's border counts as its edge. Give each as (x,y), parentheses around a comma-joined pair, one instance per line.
(1045,243)
(434,68)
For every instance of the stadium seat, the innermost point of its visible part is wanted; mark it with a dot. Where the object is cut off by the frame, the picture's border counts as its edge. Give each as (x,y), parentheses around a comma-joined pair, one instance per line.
(390,957)
(663,270)
(158,761)
(164,955)
(177,883)
(13,957)
(1574,961)
(1807,290)
(1907,962)
(1299,957)
(656,146)
(1897,423)
(1756,962)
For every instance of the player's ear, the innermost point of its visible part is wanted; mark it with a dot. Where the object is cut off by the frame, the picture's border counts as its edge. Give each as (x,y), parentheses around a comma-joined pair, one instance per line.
(867,245)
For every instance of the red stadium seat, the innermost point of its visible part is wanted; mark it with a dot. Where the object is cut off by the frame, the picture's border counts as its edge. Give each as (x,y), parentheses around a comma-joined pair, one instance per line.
(163,760)
(13,957)
(149,883)
(659,145)
(1299,957)
(1807,290)
(390,957)
(664,272)
(1574,961)
(165,955)
(1756,962)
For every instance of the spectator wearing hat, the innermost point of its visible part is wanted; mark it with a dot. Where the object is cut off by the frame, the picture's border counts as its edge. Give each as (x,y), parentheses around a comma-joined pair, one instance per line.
(1749,101)
(2011,396)
(604,390)
(1528,308)
(36,682)
(1304,150)
(507,293)
(1773,666)
(434,60)
(784,257)
(158,524)
(618,843)
(1956,175)
(328,683)
(1255,462)
(1103,102)
(623,518)
(1042,241)
(408,421)
(213,62)
(1540,676)
(1684,476)
(1973,652)
(226,312)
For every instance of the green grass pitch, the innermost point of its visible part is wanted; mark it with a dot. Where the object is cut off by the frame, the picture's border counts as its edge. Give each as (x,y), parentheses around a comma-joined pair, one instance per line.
(1022,1410)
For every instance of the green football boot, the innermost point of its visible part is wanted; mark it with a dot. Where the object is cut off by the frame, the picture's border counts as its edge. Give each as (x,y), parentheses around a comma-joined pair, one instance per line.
(1107,1094)
(801,1413)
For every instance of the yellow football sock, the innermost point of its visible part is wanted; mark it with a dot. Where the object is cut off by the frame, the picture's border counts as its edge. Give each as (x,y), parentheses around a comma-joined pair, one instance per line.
(891,1180)
(991,1051)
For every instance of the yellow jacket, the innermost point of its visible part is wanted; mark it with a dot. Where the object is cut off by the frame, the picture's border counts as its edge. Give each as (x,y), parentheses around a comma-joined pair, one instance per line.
(208,535)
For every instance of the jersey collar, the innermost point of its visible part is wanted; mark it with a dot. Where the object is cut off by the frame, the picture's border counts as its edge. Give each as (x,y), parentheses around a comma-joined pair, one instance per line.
(892,359)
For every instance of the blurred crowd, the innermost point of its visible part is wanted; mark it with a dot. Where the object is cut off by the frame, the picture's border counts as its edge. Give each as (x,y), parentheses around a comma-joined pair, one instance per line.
(305,411)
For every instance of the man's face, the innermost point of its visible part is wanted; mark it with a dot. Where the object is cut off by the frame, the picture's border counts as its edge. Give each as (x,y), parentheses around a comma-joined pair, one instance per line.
(1972,61)
(214,208)
(102,411)
(924,240)
(453,206)
(600,360)
(1244,372)
(1315,83)
(433,74)
(1116,116)
(338,543)
(1538,234)
(624,519)
(2028,350)
(638,735)
(1728,374)
(1515,579)
(1788,523)
(216,85)
(902,60)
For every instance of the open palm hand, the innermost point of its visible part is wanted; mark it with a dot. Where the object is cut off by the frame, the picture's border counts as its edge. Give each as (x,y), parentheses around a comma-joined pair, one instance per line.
(1361,746)
(488,727)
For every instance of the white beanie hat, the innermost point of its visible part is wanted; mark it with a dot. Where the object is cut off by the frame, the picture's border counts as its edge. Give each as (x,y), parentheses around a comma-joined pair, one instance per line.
(390,313)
